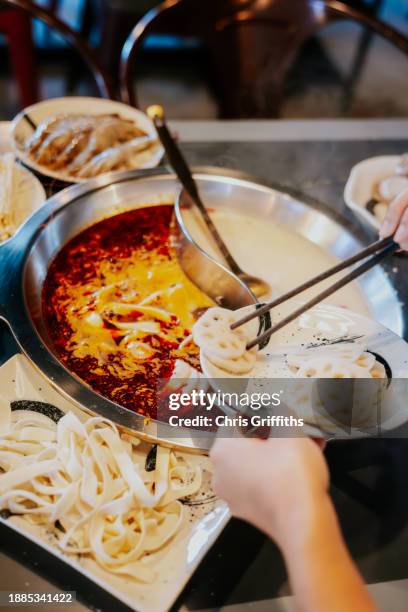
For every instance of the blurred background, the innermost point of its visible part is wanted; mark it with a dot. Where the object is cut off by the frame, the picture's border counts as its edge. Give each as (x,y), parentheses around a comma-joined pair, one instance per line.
(204,59)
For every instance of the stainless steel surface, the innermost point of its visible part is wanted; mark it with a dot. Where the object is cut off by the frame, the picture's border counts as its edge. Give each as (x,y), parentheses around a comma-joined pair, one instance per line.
(24,262)
(213,278)
(180,166)
(289,130)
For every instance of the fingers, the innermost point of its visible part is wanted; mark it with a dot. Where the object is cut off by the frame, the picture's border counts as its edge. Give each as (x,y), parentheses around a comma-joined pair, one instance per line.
(401,236)
(394,214)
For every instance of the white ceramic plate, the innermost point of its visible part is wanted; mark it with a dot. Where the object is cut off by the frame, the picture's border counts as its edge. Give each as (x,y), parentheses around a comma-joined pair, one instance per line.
(29,195)
(21,130)
(361,182)
(319,325)
(19,380)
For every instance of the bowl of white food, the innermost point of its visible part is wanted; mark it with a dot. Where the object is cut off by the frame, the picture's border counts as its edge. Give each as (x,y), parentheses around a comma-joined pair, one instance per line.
(373,184)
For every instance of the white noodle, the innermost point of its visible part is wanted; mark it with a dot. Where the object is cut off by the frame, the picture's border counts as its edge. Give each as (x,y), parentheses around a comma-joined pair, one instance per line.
(93,481)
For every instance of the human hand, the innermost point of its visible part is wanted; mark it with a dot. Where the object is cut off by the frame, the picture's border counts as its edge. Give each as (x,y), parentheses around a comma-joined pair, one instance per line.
(274,484)
(396,220)
(280,485)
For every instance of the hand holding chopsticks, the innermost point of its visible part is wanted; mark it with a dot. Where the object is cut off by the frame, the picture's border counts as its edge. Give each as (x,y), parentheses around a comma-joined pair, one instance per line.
(381,248)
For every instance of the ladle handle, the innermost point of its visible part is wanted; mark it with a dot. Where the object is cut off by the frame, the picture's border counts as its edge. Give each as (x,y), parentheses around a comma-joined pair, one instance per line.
(185,177)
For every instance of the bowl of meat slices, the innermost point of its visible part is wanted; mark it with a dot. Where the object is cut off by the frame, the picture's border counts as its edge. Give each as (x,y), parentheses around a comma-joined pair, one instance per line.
(77,138)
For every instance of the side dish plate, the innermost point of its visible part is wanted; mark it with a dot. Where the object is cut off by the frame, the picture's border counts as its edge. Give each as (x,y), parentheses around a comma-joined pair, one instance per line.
(353,330)
(21,130)
(360,185)
(174,564)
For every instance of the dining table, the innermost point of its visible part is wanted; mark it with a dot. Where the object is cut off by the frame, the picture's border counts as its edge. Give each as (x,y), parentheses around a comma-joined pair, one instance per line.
(369,478)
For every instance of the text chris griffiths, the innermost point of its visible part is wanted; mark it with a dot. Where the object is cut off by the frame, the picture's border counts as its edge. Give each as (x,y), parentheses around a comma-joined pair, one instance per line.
(255,420)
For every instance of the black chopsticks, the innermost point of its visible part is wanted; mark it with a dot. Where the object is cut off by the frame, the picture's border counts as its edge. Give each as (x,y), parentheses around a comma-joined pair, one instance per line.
(185,177)
(381,248)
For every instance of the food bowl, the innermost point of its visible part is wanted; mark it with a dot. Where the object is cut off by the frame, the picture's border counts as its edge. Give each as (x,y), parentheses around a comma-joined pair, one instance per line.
(361,184)
(21,130)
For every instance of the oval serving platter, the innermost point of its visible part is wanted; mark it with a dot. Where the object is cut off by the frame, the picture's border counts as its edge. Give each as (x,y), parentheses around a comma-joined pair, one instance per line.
(327,325)
(21,130)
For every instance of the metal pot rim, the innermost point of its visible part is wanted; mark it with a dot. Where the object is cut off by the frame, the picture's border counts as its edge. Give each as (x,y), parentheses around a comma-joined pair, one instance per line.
(14,255)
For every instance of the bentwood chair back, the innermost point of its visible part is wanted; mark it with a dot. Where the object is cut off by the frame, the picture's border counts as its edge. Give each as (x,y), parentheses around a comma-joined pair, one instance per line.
(14,24)
(253,43)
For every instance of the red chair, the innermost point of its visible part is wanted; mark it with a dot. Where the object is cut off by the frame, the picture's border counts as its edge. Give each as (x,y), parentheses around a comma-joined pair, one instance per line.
(15,23)
(16,27)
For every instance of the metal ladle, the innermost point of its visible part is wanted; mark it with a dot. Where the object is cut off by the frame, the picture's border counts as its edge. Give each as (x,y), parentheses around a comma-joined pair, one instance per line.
(180,167)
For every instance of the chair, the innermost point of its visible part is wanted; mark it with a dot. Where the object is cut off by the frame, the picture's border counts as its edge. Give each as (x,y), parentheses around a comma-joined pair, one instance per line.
(254,44)
(116,22)
(15,23)
(16,27)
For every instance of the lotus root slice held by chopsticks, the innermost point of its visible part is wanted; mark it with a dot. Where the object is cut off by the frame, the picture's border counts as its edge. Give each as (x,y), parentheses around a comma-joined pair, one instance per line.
(224,347)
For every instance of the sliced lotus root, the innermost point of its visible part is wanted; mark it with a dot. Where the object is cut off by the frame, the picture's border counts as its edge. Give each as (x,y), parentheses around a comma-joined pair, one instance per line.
(238,365)
(223,317)
(216,316)
(333,364)
(213,335)
(366,360)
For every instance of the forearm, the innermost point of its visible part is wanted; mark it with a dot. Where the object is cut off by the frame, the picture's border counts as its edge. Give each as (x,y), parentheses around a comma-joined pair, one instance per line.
(280,485)
(321,571)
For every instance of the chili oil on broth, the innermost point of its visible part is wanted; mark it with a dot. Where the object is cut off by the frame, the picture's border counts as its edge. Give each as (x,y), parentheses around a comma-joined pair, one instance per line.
(119,309)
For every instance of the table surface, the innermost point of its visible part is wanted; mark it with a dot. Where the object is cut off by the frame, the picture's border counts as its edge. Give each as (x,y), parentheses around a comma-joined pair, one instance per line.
(369,477)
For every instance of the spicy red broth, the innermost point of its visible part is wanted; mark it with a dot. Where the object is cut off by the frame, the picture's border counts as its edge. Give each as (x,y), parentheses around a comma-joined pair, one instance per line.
(119,309)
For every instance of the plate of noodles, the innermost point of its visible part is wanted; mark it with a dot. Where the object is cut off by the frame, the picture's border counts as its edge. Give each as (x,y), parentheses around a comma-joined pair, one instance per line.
(77,138)
(134,518)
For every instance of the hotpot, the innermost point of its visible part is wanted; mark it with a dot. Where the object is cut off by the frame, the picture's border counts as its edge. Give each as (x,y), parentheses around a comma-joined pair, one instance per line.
(25,258)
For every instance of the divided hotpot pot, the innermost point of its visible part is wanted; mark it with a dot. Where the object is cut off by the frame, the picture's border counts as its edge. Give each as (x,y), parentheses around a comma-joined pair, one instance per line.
(25,258)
